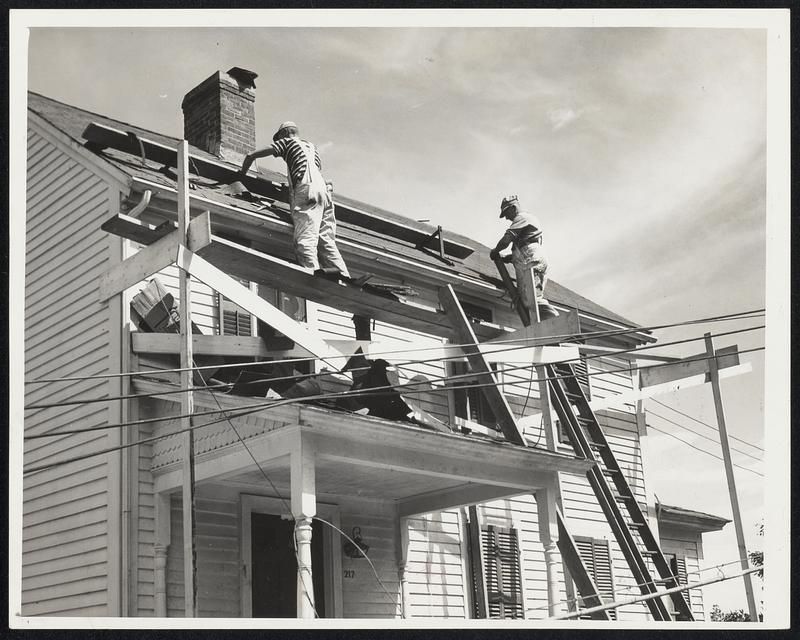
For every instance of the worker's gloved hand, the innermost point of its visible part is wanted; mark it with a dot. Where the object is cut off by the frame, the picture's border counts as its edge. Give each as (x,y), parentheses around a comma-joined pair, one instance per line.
(494,254)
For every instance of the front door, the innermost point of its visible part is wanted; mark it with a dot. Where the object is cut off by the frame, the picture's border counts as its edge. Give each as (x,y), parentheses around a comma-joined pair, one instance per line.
(274,585)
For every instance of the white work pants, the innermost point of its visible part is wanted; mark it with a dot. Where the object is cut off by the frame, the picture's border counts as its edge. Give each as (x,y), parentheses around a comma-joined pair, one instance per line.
(530,258)
(315,229)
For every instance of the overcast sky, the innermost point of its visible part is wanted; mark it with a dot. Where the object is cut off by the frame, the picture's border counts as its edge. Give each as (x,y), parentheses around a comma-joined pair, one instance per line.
(641,150)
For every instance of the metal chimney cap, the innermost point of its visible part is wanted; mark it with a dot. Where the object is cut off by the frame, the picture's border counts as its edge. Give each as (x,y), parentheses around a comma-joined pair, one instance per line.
(245,78)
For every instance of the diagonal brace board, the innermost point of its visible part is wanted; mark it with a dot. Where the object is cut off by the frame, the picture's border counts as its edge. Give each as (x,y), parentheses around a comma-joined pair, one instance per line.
(240,295)
(153,258)
(477,361)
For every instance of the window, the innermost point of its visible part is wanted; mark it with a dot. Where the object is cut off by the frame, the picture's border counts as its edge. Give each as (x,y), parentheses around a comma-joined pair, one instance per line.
(236,321)
(677,567)
(475,312)
(495,571)
(471,403)
(596,555)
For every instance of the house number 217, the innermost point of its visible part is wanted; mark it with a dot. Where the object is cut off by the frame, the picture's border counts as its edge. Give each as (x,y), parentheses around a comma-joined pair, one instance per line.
(349,573)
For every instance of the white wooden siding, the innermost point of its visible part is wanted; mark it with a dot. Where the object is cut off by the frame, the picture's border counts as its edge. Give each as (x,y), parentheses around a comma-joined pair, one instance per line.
(434,569)
(66,512)
(218,562)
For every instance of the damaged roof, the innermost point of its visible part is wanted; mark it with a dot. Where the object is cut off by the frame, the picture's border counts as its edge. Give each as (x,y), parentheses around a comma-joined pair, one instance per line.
(478,265)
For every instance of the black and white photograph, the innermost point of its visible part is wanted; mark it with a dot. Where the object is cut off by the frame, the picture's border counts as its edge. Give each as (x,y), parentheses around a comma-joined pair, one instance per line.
(399,319)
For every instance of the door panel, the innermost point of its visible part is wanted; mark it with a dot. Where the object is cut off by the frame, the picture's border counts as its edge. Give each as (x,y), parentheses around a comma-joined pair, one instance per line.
(274,580)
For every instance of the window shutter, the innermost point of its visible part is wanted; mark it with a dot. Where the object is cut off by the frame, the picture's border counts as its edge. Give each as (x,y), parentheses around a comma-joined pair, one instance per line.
(581,369)
(677,565)
(502,572)
(596,555)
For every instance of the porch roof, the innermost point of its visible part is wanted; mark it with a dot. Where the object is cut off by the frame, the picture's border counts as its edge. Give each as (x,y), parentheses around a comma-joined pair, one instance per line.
(362,456)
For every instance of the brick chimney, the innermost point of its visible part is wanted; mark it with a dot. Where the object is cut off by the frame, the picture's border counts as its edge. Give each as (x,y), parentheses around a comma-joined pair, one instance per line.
(219,114)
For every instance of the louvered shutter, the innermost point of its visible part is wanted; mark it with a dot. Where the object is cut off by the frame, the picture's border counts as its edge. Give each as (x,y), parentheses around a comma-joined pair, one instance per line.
(581,370)
(234,321)
(502,574)
(596,555)
(677,565)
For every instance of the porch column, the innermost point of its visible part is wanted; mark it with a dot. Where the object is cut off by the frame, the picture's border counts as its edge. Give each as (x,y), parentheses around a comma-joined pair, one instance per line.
(548,534)
(401,549)
(304,508)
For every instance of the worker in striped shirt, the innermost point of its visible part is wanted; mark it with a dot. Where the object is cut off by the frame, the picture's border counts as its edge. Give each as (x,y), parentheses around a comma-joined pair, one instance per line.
(311,199)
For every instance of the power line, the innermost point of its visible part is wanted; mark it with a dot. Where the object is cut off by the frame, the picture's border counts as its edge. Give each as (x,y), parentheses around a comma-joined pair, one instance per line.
(505,369)
(629,588)
(702,435)
(379,391)
(581,337)
(705,424)
(672,435)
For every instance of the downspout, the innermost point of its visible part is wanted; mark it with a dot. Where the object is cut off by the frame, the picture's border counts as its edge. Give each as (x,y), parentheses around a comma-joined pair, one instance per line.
(143,204)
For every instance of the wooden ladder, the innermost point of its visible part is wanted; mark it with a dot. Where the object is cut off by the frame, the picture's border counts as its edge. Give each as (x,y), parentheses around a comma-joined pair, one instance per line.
(616,498)
(633,534)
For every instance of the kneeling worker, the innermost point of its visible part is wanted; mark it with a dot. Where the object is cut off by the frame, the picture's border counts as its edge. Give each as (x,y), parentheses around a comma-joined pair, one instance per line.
(311,199)
(527,255)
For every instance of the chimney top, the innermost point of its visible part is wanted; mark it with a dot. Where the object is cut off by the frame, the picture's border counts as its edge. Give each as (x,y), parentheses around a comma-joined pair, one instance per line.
(245,78)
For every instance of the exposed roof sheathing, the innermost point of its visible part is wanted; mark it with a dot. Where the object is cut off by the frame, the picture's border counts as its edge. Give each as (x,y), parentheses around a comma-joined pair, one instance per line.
(73,121)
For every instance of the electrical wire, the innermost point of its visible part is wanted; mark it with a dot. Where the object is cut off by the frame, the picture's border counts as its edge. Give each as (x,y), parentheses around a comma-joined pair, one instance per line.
(672,435)
(441,378)
(376,391)
(702,435)
(630,588)
(366,557)
(582,336)
(705,424)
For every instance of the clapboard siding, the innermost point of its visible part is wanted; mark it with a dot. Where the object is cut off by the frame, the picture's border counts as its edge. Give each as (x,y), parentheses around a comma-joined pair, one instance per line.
(362,595)
(434,568)
(66,508)
(217,527)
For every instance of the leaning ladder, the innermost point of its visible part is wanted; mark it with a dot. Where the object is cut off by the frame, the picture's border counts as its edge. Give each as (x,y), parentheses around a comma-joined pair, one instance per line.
(633,534)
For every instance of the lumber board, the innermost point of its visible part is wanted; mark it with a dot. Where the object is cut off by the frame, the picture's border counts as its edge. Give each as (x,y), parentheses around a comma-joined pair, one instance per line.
(169,343)
(224,284)
(465,334)
(261,268)
(152,258)
(727,357)
(544,332)
(346,210)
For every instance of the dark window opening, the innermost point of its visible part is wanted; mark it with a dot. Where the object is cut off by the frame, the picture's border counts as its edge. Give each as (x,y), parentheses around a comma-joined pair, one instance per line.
(470,402)
(476,312)
(677,567)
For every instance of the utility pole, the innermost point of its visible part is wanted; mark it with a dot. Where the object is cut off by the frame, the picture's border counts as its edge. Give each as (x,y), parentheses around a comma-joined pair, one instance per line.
(713,370)
(187,397)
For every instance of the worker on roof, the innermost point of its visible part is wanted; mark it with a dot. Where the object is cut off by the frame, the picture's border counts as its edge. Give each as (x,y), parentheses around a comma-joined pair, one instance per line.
(525,235)
(311,199)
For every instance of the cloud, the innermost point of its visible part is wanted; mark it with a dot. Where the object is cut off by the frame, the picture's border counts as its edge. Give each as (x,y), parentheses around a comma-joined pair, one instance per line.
(562,116)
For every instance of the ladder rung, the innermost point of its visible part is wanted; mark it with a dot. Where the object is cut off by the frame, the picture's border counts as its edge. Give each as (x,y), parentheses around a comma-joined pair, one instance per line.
(637,525)
(574,396)
(583,420)
(620,498)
